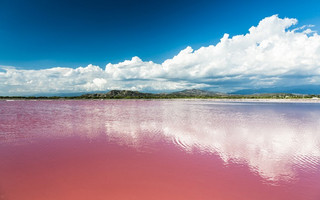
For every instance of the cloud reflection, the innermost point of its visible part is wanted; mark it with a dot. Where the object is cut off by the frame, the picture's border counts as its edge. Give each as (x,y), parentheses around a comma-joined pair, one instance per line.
(273,141)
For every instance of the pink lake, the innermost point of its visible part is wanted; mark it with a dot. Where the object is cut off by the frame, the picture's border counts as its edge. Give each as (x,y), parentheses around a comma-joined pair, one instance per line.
(179,149)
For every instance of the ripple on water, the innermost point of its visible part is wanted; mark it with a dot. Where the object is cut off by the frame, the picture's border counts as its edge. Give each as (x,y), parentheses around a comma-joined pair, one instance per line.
(271,147)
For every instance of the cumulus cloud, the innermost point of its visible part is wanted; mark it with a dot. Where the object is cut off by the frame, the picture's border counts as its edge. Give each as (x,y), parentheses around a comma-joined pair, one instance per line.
(272,54)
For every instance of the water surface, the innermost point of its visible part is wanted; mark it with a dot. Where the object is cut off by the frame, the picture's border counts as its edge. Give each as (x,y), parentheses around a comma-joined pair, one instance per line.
(132,149)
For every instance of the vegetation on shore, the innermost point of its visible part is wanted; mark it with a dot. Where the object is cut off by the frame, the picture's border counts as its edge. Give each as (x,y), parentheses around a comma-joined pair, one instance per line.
(185,94)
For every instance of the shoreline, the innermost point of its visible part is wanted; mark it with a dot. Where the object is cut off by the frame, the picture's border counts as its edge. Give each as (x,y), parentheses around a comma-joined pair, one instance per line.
(244,100)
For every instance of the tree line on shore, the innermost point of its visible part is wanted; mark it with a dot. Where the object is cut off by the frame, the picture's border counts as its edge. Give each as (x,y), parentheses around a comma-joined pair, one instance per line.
(185,94)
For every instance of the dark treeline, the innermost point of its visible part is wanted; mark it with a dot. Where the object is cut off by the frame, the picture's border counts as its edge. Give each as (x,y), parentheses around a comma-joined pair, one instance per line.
(185,94)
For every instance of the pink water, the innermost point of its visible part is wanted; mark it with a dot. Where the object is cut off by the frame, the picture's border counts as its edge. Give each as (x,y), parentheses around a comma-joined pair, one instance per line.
(52,150)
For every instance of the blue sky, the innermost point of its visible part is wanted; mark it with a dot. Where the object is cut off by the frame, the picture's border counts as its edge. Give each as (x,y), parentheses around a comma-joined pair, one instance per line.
(41,34)
(37,35)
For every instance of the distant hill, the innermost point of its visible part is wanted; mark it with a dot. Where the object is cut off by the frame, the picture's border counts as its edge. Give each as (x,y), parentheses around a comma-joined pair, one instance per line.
(116,94)
(302,89)
(191,93)
(197,92)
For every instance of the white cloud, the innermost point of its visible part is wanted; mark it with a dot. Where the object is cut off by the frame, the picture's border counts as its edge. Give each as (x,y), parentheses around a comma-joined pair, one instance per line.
(274,53)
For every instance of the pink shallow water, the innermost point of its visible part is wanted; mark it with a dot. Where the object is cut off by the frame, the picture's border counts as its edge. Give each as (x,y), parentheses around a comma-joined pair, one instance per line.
(159,150)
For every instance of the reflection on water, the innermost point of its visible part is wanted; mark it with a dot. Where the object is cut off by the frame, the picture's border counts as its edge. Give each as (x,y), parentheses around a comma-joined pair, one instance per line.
(274,140)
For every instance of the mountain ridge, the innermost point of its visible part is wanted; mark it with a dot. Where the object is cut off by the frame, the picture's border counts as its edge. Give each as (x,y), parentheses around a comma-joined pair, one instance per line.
(188,93)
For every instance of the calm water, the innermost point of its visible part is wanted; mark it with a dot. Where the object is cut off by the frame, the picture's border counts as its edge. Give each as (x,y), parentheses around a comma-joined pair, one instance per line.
(82,150)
